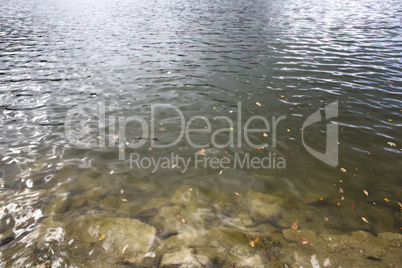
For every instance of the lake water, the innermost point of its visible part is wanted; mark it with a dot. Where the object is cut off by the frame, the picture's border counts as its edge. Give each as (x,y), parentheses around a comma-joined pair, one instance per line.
(71,72)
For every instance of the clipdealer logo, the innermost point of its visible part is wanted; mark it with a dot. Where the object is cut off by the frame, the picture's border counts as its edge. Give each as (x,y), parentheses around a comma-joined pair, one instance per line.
(237,132)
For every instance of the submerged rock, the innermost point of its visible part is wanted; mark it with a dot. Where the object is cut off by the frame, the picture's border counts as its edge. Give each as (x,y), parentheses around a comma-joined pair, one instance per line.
(186,258)
(252,262)
(184,197)
(263,207)
(119,232)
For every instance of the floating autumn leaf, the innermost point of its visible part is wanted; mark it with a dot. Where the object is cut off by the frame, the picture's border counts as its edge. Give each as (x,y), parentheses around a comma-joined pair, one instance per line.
(399,203)
(342,198)
(259,104)
(201,151)
(365,220)
(244,236)
(391,143)
(365,192)
(149,149)
(326,219)
(124,200)
(386,199)
(237,194)
(258,148)
(340,190)
(101,237)
(162,129)
(220,172)
(111,172)
(174,166)
(122,150)
(343,170)
(124,249)
(295,225)
(121,191)
(265,135)
(352,206)
(256,240)
(251,243)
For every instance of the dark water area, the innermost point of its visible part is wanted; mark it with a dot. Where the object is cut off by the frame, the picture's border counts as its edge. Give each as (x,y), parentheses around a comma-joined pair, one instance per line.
(71,72)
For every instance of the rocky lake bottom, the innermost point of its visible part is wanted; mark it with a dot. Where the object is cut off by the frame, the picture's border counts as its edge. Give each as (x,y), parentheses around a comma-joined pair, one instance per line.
(138,225)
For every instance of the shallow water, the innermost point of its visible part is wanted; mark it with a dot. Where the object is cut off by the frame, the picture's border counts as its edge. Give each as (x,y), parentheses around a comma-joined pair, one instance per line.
(101,61)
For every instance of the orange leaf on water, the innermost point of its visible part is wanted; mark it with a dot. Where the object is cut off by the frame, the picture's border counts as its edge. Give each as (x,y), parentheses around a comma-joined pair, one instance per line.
(295,226)
(365,220)
(352,206)
(201,151)
(124,200)
(237,194)
(256,240)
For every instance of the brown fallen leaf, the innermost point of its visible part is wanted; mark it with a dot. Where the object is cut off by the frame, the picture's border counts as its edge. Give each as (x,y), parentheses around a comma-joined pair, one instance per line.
(124,249)
(201,151)
(244,236)
(256,240)
(305,241)
(182,220)
(364,219)
(237,194)
(303,238)
(295,225)
(352,206)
